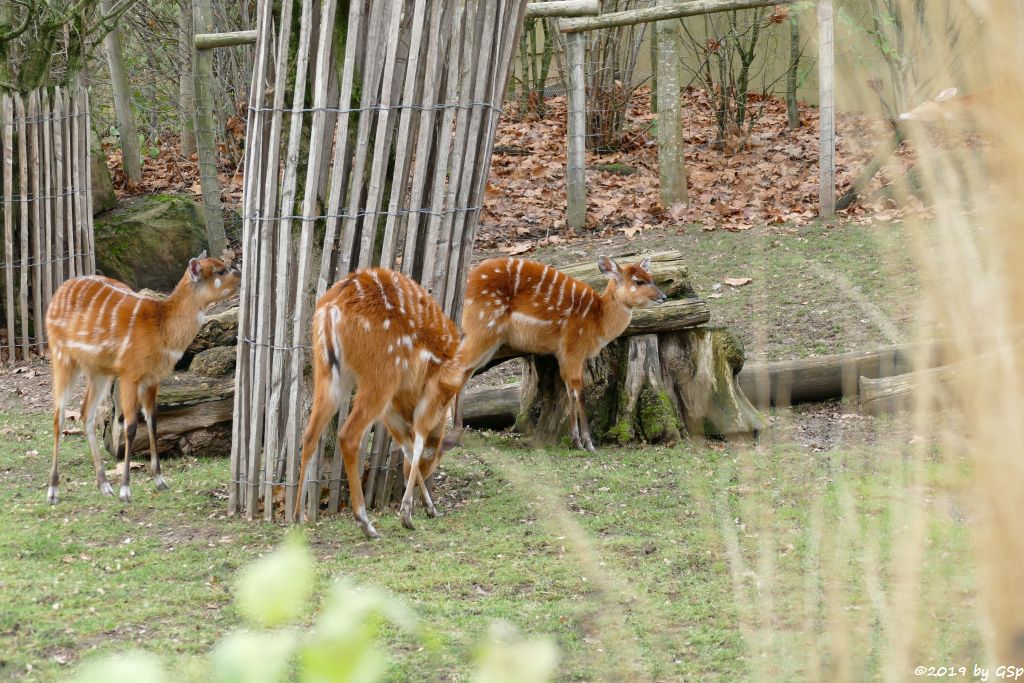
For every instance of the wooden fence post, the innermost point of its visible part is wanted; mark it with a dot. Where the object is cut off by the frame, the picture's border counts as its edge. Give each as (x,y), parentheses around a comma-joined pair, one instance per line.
(826,103)
(671,161)
(576,170)
(202,81)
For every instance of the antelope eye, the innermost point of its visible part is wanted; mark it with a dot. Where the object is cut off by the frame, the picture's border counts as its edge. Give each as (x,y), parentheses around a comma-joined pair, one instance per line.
(640,283)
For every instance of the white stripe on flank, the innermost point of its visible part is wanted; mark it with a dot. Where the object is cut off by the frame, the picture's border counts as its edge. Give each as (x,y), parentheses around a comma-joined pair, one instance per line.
(383,294)
(97,324)
(428,356)
(387,323)
(561,293)
(519,271)
(590,300)
(528,319)
(129,330)
(543,274)
(359,287)
(572,296)
(398,288)
(551,287)
(87,348)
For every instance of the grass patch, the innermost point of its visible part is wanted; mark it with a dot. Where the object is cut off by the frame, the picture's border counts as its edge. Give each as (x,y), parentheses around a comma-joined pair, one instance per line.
(700,562)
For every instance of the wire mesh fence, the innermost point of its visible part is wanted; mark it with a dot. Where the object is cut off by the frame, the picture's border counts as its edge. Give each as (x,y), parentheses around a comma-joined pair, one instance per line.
(369,146)
(47,209)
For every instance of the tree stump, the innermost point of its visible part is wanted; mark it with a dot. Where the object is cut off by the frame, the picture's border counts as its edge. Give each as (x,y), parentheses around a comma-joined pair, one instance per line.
(645,389)
(700,366)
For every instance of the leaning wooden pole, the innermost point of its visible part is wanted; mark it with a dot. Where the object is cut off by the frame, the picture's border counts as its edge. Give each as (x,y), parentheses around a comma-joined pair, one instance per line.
(826,103)
(202,81)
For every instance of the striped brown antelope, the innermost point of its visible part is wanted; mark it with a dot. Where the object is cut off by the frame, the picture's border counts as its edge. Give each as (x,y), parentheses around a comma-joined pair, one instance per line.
(100,328)
(535,308)
(384,333)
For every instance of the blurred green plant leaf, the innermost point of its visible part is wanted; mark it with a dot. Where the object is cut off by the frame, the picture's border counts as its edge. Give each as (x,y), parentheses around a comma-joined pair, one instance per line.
(276,589)
(130,667)
(254,657)
(506,658)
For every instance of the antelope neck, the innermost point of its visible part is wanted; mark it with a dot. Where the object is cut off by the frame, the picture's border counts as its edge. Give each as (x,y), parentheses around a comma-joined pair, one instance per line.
(180,319)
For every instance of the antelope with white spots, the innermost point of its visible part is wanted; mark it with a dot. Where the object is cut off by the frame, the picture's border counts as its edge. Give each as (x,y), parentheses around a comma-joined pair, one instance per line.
(99,327)
(383,333)
(534,308)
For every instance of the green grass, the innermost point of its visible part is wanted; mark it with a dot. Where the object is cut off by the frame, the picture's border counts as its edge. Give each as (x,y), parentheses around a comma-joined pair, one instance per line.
(701,562)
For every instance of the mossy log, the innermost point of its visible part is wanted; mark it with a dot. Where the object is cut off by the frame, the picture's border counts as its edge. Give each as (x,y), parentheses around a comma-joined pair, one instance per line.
(193,417)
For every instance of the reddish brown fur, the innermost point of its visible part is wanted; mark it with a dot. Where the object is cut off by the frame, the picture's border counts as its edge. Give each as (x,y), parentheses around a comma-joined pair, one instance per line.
(384,333)
(99,327)
(535,308)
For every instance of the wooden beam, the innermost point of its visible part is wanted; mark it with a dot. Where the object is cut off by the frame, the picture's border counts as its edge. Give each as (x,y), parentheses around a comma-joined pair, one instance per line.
(563,8)
(208,41)
(661,12)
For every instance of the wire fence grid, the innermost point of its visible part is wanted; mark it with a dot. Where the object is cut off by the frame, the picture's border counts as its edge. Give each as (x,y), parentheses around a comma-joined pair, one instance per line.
(46,190)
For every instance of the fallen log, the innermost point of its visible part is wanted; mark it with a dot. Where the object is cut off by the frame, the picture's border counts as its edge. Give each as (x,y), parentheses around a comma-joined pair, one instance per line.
(806,380)
(193,417)
(930,387)
(492,407)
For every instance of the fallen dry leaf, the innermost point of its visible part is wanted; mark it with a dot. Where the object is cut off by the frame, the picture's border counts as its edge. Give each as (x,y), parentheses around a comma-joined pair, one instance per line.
(736,281)
(518,248)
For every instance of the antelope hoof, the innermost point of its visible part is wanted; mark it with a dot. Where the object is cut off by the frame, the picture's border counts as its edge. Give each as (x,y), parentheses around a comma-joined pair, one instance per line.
(588,444)
(51,495)
(368,529)
(106,489)
(432,512)
(406,515)
(126,494)
(161,485)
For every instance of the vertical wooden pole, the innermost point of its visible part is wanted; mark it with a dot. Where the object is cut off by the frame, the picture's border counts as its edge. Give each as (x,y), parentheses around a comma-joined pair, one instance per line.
(47,189)
(19,105)
(185,90)
(35,188)
(826,100)
(202,81)
(7,125)
(671,162)
(576,162)
(127,132)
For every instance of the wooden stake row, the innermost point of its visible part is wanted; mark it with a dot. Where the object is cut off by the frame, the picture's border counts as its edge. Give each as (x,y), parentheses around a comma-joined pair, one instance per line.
(395,178)
(47,208)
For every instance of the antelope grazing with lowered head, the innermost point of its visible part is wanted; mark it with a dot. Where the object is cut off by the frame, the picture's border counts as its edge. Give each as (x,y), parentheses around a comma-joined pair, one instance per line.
(384,333)
(99,327)
(535,308)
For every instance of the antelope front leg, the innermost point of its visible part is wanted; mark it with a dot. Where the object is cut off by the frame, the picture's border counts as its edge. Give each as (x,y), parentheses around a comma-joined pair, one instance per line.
(412,476)
(580,411)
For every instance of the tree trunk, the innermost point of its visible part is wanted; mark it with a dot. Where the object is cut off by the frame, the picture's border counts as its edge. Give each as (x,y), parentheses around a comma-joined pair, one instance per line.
(792,110)
(127,131)
(188,133)
(202,82)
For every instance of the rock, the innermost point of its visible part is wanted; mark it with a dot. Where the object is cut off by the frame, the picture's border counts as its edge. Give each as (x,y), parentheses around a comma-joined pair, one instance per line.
(148,241)
(220,329)
(215,362)
(103,197)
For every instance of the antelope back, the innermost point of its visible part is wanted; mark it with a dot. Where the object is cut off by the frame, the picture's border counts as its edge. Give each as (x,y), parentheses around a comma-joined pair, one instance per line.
(378,321)
(526,291)
(95,318)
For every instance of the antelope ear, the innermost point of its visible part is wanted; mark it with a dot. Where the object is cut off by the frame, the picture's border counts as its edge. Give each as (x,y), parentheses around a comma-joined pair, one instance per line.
(202,255)
(946,94)
(645,265)
(195,269)
(609,268)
